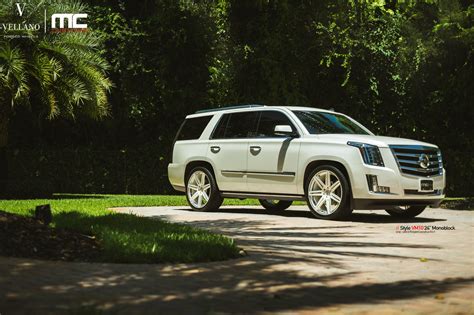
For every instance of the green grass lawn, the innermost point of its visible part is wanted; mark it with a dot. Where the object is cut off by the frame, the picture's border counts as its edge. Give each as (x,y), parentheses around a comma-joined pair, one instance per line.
(130,239)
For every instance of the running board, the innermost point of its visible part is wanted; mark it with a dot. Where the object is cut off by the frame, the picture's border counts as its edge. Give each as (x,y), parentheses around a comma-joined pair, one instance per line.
(242,195)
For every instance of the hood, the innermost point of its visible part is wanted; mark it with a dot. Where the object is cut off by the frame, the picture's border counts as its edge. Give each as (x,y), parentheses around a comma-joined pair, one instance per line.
(379,141)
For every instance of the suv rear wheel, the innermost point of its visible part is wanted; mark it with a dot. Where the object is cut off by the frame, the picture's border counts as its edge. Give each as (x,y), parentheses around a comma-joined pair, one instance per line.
(201,190)
(328,193)
(275,205)
(405,211)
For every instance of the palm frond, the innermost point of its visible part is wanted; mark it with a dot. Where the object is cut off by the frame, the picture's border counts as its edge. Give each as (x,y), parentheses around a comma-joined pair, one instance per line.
(12,71)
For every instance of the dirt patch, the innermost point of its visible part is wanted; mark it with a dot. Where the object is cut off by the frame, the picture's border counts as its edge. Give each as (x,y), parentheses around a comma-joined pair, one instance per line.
(25,237)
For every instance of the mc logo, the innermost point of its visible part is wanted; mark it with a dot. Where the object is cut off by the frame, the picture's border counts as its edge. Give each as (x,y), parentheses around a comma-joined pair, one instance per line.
(71,20)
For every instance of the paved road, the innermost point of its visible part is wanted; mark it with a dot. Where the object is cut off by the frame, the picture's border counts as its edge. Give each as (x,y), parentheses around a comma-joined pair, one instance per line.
(296,264)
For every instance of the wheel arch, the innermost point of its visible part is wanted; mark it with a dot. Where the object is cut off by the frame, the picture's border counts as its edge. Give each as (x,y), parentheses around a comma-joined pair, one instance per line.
(196,163)
(339,165)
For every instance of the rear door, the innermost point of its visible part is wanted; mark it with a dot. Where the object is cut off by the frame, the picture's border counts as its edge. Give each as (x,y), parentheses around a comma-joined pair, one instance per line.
(228,149)
(273,159)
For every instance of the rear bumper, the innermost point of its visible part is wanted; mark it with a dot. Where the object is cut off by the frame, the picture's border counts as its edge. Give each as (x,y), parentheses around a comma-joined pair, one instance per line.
(179,188)
(368,204)
(176,176)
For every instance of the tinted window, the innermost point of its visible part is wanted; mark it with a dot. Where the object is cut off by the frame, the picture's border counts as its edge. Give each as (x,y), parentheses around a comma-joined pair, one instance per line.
(192,128)
(268,121)
(236,125)
(219,132)
(321,123)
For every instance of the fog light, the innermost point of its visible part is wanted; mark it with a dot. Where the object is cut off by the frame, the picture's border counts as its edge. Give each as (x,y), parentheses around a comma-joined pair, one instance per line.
(374,185)
(383,189)
(372,181)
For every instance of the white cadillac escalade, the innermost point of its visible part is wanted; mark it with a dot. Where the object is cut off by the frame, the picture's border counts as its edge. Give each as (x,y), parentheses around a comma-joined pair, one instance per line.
(279,154)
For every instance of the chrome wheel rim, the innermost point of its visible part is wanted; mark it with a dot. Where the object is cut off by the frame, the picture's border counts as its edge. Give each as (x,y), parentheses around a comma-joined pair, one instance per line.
(325,192)
(199,189)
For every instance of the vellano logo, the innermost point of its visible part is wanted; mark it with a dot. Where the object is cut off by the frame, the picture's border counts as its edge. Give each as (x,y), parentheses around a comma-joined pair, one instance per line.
(19,26)
(20,8)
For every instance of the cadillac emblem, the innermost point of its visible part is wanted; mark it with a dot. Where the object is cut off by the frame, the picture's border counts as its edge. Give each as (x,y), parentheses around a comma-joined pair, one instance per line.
(424,161)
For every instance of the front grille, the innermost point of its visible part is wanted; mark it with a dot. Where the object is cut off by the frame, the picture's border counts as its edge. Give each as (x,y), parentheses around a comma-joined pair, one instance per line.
(410,160)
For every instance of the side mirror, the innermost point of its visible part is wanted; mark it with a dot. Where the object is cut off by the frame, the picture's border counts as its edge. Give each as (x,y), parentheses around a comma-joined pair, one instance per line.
(284,130)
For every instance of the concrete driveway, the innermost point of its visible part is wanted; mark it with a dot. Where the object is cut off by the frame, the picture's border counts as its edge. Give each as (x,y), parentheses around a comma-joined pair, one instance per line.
(295,263)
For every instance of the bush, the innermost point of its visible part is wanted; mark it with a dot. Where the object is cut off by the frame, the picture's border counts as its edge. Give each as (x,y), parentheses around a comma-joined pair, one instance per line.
(38,172)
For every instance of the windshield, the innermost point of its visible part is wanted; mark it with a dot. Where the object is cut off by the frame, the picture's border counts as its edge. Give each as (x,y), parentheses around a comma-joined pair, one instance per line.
(322,122)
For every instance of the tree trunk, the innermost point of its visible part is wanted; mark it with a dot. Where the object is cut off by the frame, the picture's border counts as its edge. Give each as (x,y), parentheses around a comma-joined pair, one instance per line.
(4,120)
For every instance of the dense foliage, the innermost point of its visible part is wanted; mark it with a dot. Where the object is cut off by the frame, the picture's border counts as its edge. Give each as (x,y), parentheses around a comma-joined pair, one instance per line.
(402,68)
(47,75)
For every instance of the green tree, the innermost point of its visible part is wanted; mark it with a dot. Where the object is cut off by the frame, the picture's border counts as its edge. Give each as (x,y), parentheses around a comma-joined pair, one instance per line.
(55,75)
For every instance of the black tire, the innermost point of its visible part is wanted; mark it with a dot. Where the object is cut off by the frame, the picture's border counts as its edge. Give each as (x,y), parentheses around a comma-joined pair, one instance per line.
(215,199)
(275,206)
(405,213)
(344,209)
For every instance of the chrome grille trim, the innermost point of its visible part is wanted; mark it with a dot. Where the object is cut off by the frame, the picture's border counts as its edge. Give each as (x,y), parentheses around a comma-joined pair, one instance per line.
(407,157)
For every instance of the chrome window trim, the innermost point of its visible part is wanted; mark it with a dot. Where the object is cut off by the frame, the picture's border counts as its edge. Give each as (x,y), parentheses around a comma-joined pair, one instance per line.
(259,110)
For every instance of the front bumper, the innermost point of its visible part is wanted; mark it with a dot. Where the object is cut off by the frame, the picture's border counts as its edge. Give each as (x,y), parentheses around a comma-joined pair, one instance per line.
(404,189)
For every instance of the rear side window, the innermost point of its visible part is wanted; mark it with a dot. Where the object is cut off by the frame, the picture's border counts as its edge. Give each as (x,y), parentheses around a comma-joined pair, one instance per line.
(267,122)
(219,132)
(236,126)
(192,128)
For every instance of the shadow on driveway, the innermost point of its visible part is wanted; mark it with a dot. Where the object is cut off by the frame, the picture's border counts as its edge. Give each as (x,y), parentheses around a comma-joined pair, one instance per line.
(354,217)
(289,267)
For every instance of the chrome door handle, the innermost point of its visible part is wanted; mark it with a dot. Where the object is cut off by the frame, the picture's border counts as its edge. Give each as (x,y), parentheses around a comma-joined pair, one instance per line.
(215,149)
(255,149)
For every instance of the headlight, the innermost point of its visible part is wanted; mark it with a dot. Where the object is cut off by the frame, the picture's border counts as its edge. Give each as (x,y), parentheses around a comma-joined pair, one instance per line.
(370,153)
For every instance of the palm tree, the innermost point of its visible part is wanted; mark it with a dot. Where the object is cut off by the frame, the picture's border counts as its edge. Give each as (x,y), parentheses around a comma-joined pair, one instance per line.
(61,74)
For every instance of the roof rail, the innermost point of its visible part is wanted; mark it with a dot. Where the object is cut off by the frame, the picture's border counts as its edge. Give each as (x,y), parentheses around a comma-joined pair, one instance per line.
(227,107)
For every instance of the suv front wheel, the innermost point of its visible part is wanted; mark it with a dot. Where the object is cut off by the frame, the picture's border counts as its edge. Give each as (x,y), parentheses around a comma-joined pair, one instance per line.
(201,190)
(328,193)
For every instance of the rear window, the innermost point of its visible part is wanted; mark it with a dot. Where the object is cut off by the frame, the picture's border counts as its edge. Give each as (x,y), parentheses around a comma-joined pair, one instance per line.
(219,132)
(192,128)
(236,126)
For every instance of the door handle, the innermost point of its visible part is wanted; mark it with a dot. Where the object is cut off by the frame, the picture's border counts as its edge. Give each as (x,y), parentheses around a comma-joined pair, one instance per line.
(255,149)
(215,149)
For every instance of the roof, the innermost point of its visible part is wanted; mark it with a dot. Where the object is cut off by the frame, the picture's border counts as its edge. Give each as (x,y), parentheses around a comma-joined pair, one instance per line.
(257,106)
(228,108)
